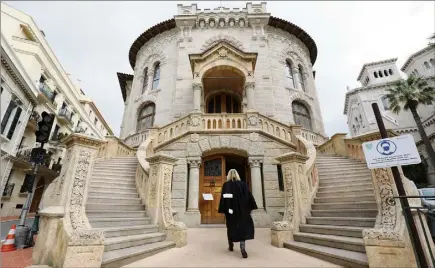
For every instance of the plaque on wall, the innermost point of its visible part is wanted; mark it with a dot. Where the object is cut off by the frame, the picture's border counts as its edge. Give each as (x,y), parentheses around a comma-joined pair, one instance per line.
(207,196)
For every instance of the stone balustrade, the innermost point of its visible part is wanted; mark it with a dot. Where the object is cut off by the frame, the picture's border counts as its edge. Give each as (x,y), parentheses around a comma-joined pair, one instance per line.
(114,147)
(136,139)
(223,122)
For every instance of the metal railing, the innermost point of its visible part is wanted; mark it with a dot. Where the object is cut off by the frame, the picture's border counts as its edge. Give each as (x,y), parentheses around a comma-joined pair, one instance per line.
(66,114)
(46,91)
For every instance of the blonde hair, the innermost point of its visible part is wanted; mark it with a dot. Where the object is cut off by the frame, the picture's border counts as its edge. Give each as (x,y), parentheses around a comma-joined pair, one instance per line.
(233,175)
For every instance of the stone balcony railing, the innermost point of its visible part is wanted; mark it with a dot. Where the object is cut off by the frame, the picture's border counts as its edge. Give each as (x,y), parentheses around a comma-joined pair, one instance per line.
(114,147)
(136,139)
(224,122)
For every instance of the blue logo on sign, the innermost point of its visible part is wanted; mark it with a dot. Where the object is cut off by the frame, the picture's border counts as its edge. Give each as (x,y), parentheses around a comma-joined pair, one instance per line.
(386,147)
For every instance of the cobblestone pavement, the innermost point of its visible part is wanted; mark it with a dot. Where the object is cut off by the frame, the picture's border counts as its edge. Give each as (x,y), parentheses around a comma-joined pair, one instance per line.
(207,247)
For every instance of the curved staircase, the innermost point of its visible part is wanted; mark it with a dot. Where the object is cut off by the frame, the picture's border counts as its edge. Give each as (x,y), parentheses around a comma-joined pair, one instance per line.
(344,205)
(114,206)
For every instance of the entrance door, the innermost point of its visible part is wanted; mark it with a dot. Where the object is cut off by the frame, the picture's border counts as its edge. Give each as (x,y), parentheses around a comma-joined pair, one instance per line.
(213,177)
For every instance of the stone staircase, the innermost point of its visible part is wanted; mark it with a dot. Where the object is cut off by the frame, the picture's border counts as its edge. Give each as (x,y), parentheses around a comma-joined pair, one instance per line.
(114,206)
(345,204)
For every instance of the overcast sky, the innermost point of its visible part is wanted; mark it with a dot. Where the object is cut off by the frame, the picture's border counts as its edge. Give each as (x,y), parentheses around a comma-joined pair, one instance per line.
(92,40)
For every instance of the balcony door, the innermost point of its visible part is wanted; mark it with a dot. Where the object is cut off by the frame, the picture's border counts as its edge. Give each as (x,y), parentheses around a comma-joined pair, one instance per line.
(223,103)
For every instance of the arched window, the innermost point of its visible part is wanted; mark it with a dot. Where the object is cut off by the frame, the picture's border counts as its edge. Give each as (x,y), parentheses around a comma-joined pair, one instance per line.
(156,78)
(301,115)
(375,74)
(301,77)
(145,119)
(426,64)
(385,103)
(385,73)
(223,103)
(145,80)
(415,72)
(432,62)
(380,74)
(390,71)
(289,73)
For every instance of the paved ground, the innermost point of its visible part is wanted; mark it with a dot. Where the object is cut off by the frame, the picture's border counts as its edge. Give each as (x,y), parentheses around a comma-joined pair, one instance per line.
(19,258)
(5,226)
(207,247)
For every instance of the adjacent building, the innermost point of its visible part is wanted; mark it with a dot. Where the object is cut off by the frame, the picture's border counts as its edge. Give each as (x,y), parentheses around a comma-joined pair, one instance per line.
(33,81)
(376,78)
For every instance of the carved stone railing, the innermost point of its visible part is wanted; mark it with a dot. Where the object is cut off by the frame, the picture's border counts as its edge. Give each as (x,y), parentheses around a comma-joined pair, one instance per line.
(154,183)
(313,137)
(65,237)
(114,147)
(197,122)
(387,244)
(136,139)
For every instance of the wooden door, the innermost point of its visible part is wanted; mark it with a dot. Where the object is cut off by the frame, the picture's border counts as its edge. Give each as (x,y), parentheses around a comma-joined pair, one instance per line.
(211,181)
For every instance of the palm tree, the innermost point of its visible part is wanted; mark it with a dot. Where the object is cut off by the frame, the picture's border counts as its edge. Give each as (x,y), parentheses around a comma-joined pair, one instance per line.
(410,93)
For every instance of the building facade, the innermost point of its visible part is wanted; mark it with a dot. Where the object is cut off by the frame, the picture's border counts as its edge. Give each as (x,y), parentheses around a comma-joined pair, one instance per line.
(33,81)
(224,88)
(376,78)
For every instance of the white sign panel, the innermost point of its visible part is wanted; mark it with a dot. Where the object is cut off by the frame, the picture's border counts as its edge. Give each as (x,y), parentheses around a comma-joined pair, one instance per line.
(396,151)
(207,197)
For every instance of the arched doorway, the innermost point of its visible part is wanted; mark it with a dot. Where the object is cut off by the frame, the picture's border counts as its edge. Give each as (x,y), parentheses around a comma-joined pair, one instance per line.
(223,90)
(301,115)
(37,196)
(214,170)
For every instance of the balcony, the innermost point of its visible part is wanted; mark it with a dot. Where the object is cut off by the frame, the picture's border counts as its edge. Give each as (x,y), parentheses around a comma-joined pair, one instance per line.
(46,95)
(48,166)
(57,137)
(65,116)
(79,130)
(32,123)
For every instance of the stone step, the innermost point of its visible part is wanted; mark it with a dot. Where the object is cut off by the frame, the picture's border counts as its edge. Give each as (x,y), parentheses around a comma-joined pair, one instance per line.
(110,213)
(342,221)
(93,193)
(117,189)
(332,230)
(121,257)
(340,181)
(345,177)
(333,241)
(107,173)
(330,156)
(355,205)
(342,167)
(112,183)
(115,200)
(344,172)
(363,213)
(353,186)
(335,161)
(333,165)
(129,230)
(117,222)
(345,258)
(119,242)
(123,207)
(346,193)
(116,167)
(114,178)
(345,199)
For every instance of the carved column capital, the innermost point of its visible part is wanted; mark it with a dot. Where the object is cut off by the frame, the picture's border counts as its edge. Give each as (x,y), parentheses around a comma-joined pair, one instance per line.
(197,86)
(249,85)
(194,162)
(255,162)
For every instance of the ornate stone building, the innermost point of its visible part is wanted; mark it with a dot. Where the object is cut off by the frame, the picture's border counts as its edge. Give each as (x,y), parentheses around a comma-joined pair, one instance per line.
(224,88)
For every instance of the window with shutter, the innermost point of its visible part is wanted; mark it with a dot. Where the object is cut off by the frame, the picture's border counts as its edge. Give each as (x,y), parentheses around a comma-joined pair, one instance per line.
(14,123)
(7,115)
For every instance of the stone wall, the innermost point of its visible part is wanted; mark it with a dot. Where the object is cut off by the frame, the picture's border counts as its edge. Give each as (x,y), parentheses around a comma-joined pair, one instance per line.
(245,144)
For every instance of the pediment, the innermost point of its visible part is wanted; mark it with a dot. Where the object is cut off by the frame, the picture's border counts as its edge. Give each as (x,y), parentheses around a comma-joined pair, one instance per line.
(223,50)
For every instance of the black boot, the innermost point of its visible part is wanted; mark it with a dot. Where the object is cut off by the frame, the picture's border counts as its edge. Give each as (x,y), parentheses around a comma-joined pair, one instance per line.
(231,245)
(243,249)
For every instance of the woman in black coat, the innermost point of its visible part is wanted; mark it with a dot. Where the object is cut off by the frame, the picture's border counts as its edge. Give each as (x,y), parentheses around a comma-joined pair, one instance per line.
(237,203)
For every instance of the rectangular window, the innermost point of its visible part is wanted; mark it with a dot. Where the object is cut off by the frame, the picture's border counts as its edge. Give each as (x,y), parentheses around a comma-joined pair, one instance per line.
(19,206)
(26,184)
(7,115)
(95,121)
(55,132)
(280,178)
(14,123)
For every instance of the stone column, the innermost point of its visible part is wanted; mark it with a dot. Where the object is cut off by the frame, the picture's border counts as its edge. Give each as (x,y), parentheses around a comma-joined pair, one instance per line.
(159,203)
(194,163)
(282,231)
(257,190)
(249,88)
(197,89)
(150,80)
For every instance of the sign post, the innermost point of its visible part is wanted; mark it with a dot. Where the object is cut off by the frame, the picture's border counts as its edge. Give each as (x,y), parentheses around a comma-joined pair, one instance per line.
(391,153)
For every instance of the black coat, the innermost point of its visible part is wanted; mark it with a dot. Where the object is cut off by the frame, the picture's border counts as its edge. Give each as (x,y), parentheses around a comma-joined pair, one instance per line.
(240,226)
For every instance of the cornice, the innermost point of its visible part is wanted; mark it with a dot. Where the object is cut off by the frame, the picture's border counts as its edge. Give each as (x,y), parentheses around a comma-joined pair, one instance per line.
(80,139)
(292,157)
(161,158)
(415,55)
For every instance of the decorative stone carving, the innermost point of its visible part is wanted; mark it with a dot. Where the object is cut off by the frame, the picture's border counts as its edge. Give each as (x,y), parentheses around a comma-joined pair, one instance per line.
(222,37)
(194,137)
(76,208)
(196,120)
(231,23)
(252,120)
(255,162)
(154,46)
(223,52)
(201,24)
(222,23)
(194,162)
